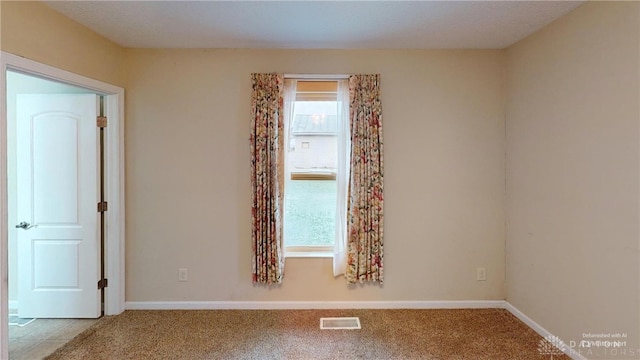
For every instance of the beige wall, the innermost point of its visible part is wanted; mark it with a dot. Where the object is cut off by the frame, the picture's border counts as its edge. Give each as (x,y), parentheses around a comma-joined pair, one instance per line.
(188,175)
(572,174)
(34,31)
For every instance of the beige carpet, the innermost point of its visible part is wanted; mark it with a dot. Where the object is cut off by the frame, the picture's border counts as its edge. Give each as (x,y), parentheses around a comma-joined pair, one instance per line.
(295,334)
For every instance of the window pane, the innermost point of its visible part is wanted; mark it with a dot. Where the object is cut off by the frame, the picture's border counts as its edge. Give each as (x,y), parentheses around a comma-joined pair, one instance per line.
(310,212)
(311,190)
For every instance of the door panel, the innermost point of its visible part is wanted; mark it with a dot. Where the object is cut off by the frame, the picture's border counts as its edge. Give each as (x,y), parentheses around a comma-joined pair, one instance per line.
(58,252)
(62,253)
(55,183)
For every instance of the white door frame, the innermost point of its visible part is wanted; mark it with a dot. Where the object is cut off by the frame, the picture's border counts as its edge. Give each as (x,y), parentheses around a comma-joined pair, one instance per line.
(114,186)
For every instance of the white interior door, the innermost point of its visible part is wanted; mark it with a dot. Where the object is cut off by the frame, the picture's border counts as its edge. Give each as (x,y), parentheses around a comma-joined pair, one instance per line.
(57,184)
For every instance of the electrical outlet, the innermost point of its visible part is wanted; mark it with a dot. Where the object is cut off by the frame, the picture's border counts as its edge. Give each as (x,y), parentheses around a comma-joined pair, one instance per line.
(183,274)
(481,274)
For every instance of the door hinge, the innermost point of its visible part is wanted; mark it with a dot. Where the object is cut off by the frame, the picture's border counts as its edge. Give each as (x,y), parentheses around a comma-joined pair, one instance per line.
(102,121)
(102,284)
(103,206)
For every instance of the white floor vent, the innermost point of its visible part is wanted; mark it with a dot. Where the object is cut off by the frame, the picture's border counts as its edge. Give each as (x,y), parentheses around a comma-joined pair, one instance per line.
(340,323)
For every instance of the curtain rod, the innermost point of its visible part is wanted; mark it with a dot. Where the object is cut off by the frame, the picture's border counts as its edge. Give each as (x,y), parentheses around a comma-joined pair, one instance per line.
(317,76)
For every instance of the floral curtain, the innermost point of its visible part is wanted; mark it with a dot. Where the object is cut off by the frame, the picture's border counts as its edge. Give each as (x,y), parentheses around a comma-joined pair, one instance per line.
(267,177)
(365,209)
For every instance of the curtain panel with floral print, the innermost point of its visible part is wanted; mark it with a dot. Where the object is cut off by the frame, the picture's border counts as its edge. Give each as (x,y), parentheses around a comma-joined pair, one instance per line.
(365,205)
(267,177)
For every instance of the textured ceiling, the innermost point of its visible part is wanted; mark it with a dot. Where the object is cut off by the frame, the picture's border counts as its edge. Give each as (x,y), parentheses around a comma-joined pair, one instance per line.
(315,24)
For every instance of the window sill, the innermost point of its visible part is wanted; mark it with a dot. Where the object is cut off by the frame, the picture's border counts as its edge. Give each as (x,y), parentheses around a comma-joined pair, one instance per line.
(308,254)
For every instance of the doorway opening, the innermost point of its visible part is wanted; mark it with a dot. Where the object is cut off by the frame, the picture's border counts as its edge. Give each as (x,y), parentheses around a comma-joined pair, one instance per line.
(65,168)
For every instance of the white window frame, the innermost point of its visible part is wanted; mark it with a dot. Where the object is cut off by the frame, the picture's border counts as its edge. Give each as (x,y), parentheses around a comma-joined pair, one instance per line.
(310,251)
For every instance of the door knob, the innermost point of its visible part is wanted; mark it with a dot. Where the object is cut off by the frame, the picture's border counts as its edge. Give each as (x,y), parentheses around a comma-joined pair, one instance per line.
(24,225)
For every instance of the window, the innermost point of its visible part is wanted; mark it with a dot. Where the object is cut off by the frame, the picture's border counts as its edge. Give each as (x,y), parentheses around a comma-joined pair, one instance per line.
(311,167)
(358,255)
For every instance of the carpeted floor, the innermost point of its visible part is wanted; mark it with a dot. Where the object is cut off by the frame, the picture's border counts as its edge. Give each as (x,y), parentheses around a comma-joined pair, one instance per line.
(294,334)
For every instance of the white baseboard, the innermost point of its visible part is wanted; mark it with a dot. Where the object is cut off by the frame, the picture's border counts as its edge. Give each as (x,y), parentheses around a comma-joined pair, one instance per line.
(304,305)
(540,330)
(13,304)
